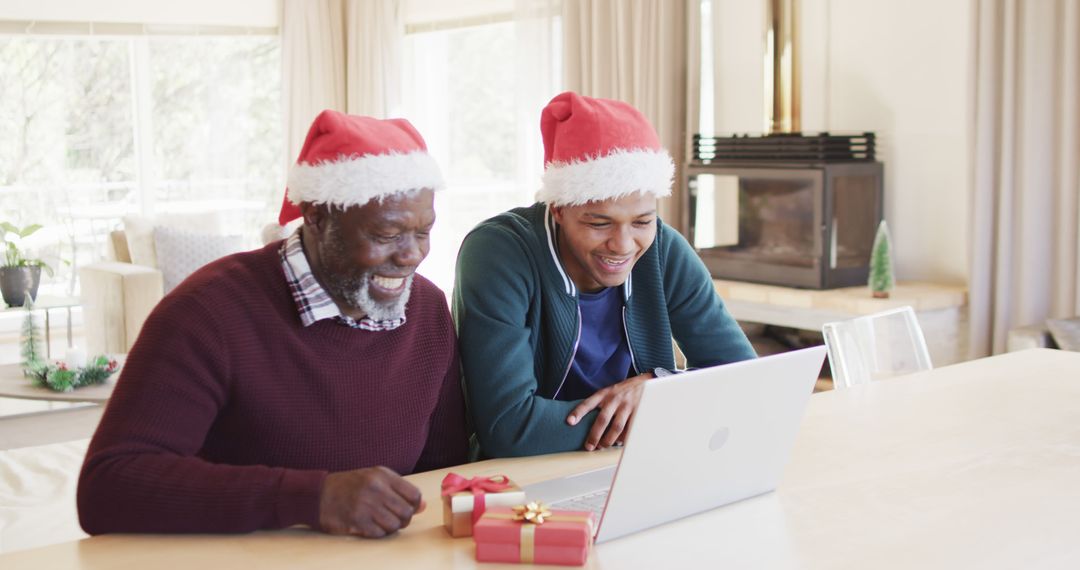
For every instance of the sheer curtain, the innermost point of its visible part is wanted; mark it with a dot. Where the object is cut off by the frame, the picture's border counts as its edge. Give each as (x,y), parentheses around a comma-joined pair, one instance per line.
(538,80)
(374,33)
(1025,262)
(477,75)
(339,54)
(636,52)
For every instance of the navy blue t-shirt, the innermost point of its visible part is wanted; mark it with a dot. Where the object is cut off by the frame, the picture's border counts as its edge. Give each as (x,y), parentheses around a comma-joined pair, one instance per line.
(603,357)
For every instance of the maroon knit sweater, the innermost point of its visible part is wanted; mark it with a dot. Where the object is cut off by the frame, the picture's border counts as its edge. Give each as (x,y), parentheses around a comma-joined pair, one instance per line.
(229,413)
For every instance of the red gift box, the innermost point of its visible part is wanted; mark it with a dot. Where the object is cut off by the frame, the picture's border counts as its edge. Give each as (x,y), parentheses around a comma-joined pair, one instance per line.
(563,537)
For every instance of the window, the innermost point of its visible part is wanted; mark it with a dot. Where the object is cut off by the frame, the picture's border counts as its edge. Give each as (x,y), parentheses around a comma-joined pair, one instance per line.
(97,128)
(217,124)
(463,92)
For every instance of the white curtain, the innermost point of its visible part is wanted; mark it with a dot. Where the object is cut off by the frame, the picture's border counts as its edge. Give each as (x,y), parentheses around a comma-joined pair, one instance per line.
(1025,262)
(634,51)
(374,32)
(339,54)
(313,65)
(538,80)
(692,96)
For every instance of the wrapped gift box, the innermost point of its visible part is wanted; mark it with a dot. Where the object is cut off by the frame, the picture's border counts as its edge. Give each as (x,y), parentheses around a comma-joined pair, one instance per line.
(563,538)
(464,500)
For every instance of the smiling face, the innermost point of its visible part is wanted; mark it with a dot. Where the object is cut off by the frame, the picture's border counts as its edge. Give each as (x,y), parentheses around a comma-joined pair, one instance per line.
(599,242)
(365,256)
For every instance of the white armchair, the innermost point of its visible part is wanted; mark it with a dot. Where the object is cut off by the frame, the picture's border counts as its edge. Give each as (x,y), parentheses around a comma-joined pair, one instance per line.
(117,297)
(118,294)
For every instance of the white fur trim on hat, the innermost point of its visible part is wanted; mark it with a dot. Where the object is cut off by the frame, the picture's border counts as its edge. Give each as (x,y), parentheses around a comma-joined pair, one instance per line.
(356,180)
(618,174)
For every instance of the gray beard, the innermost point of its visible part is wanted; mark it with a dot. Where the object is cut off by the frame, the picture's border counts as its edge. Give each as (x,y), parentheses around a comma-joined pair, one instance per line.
(359,297)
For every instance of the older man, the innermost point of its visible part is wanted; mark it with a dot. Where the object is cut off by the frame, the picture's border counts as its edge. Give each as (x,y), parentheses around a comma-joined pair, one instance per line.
(564,308)
(292,385)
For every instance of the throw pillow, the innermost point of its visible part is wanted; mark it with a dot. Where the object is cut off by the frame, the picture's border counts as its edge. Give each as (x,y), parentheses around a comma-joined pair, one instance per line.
(140,230)
(180,253)
(1066,333)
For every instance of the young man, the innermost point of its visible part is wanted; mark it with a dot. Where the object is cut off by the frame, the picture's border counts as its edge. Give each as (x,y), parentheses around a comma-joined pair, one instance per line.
(566,307)
(291,385)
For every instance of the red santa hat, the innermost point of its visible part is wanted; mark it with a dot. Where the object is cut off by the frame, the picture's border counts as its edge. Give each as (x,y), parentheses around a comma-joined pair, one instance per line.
(599,149)
(349,160)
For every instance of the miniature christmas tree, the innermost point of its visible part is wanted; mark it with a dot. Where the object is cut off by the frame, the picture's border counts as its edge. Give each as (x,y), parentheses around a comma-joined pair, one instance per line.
(881,268)
(33,355)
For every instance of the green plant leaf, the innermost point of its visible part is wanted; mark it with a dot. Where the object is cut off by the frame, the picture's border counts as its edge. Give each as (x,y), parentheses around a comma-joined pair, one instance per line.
(25,232)
(61,380)
(13,257)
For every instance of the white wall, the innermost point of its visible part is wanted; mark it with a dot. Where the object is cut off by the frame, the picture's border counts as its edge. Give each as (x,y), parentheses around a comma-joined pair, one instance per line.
(900,69)
(739,73)
(255,13)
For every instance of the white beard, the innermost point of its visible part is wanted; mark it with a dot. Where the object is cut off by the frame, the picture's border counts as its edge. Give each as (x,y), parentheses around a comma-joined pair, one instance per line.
(360,298)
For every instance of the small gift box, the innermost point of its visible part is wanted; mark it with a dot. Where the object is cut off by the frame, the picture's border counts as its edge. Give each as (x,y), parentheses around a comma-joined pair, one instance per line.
(531,534)
(464,500)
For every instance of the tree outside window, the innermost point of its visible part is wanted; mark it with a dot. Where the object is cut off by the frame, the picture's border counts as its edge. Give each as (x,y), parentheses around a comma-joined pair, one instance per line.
(70,154)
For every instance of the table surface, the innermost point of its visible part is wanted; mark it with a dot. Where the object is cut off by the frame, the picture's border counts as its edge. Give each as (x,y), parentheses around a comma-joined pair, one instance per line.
(974,465)
(47,302)
(13,384)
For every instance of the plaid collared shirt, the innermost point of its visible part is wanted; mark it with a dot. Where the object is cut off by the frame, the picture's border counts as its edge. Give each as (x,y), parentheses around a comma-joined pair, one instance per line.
(313,302)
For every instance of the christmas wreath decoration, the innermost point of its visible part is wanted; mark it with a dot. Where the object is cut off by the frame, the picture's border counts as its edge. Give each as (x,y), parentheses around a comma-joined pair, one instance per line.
(59,376)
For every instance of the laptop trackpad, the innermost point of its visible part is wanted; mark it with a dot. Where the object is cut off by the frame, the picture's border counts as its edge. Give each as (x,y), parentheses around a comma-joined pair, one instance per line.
(563,488)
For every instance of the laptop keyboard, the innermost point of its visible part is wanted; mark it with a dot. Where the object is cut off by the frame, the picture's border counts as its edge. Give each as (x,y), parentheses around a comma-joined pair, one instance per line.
(593,502)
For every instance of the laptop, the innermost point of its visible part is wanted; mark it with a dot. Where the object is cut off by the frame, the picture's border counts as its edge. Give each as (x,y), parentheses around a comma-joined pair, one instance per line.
(699,440)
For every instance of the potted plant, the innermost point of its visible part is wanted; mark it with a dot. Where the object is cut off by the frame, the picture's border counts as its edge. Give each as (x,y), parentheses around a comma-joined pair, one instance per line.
(19,275)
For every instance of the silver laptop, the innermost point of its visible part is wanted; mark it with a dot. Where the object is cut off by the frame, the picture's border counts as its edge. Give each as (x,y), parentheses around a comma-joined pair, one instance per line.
(699,440)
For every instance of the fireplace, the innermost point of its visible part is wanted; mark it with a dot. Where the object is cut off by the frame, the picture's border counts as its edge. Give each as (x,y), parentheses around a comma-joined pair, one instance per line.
(786,209)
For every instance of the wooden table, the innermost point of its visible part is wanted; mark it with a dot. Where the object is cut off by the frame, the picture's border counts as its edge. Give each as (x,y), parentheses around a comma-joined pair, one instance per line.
(13,384)
(975,465)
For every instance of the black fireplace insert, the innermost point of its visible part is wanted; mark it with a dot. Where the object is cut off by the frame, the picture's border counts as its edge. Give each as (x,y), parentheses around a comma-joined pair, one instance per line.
(786,209)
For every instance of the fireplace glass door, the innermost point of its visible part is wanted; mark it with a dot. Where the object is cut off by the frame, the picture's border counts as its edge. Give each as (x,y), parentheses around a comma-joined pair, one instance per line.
(809,226)
(855,212)
(759,223)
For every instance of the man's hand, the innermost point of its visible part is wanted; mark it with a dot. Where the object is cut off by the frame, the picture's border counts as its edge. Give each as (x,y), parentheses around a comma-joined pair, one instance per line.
(617,404)
(372,502)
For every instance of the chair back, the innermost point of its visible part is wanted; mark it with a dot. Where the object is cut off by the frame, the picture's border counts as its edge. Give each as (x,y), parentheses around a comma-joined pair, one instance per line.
(874,347)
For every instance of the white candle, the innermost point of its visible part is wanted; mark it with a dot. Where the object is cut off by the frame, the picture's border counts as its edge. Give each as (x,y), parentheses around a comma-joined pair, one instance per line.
(75,358)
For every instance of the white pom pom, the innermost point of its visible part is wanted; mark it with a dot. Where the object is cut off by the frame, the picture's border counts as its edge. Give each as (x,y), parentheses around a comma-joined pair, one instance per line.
(273,232)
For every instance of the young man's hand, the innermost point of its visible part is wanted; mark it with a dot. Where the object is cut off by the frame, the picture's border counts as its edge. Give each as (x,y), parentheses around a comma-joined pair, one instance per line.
(372,502)
(617,404)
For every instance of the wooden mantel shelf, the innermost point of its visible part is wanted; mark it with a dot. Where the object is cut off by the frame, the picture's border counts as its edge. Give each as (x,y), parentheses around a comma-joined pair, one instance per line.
(810,309)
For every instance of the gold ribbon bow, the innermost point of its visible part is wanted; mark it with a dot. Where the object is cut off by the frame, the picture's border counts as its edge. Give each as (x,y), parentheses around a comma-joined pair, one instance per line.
(532,512)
